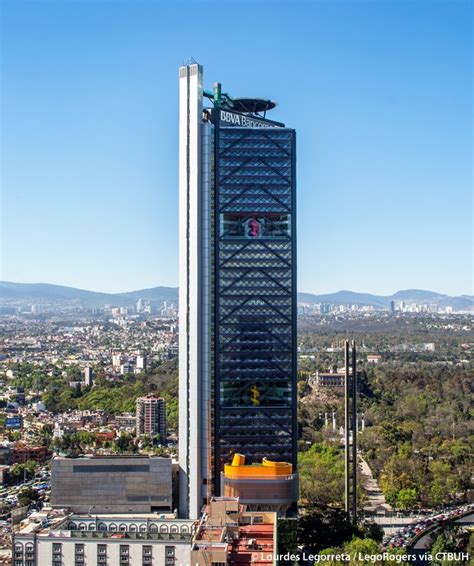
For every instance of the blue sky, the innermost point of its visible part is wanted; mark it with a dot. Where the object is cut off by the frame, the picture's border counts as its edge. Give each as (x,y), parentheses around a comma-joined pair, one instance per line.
(380,94)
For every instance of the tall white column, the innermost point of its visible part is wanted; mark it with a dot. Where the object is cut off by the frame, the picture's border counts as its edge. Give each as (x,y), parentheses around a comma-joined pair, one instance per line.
(190,177)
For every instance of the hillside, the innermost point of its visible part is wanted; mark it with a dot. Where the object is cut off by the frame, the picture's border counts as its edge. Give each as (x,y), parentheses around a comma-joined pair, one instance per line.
(44,292)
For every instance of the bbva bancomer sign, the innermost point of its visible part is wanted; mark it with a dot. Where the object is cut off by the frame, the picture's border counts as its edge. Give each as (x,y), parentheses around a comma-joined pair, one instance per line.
(235,119)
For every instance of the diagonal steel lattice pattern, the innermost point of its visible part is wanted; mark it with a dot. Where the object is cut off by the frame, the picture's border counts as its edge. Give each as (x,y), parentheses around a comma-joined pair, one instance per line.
(255,326)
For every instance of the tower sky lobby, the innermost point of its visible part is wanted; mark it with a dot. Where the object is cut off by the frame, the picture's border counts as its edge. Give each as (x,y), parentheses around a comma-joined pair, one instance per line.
(237,350)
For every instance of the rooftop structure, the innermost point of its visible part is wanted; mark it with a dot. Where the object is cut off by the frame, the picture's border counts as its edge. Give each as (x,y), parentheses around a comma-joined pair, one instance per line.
(269,486)
(230,535)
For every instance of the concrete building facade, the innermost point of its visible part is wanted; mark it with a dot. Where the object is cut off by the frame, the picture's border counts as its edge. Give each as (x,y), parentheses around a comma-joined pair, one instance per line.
(105,540)
(112,484)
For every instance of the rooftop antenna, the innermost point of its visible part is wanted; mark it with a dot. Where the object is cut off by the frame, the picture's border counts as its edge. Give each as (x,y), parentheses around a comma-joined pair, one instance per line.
(189,61)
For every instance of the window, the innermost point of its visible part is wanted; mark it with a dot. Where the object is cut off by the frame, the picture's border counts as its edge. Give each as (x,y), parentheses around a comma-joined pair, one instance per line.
(124,555)
(57,556)
(169,555)
(101,554)
(79,554)
(147,555)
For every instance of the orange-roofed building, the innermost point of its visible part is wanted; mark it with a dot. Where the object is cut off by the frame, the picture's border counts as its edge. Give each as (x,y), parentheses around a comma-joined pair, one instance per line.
(105,435)
(269,486)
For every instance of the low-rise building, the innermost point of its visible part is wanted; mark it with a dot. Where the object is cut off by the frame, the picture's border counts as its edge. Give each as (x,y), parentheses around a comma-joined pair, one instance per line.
(21,453)
(112,484)
(229,535)
(332,378)
(61,539)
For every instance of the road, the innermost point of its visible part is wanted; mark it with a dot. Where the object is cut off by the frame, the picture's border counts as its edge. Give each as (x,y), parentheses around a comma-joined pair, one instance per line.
(374,493)
(423,543)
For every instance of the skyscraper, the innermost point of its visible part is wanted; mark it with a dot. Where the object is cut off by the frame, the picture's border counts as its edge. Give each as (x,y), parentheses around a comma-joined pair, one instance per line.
(151,416)
(237,383)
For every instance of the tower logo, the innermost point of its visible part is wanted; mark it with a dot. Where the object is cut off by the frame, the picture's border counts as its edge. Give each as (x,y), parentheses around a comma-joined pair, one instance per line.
(254,395)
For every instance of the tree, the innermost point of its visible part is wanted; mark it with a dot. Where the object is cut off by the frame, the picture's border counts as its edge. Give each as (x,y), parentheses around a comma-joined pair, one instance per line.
(450,538)
(321,472)
(321,528)
(407,499)
(30,467)
(359,548)
(27,495)
(287,539)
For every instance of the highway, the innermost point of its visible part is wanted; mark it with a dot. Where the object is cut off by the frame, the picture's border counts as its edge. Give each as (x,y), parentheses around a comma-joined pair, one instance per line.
(416,537)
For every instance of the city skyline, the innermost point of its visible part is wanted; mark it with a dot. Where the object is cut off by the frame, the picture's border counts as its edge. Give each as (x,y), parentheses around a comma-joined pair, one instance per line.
(383,115)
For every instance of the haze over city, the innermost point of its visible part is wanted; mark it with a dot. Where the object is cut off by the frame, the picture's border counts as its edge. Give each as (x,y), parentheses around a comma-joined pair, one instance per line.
(378,93)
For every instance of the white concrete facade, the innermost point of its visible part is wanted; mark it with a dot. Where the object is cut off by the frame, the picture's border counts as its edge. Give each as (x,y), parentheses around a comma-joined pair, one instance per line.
(192,281)
(82,540)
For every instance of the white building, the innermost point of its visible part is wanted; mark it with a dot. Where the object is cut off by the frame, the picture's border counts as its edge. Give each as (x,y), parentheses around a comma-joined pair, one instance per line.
(125,540)
(140,362)
(88,376)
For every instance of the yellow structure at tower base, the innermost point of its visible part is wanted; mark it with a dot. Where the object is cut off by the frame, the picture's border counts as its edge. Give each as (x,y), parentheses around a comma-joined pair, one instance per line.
(268,486)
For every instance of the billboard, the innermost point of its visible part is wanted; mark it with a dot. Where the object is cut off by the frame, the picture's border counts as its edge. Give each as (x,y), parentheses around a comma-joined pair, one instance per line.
(15,422)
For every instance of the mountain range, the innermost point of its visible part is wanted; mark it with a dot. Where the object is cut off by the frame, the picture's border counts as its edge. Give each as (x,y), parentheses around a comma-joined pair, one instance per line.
(46,293)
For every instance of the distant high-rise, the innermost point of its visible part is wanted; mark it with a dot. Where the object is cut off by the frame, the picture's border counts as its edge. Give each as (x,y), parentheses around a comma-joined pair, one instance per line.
(88,376)
(151,416)
(141,362)
(237,383)
(392,306)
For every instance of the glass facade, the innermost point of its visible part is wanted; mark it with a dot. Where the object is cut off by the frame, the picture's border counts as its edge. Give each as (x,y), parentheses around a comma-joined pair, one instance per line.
(255,295)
